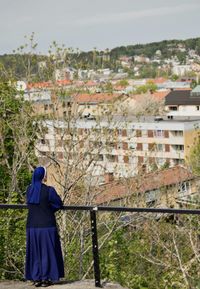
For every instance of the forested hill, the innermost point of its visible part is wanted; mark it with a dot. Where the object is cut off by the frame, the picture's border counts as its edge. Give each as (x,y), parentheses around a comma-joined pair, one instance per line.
(167,48)
(95,58)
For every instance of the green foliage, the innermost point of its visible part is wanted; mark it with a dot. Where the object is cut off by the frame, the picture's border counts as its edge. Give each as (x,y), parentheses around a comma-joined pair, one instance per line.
(145,257)
(17,136)
(194,157)
(148,70)
(151,87)
(174,77)
(123,82)
(108,87)
(17,139)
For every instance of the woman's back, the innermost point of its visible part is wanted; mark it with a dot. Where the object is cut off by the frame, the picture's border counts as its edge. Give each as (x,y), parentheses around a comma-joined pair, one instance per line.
(41,215)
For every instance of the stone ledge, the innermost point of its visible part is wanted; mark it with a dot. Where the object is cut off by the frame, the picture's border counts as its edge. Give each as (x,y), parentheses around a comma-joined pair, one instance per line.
(86,284)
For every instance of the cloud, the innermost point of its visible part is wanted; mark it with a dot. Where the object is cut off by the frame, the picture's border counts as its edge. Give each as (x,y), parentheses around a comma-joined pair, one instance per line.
(136,14)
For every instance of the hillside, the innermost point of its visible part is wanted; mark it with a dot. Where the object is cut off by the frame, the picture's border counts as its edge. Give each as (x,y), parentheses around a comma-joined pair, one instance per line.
(109,58)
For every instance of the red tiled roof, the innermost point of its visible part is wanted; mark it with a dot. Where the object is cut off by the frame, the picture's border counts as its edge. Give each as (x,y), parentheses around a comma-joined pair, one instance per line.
(119,87)
(49,84)
(98,97)
(90,83)
(183,88)
(39,85)
(147,182)
(64,82)
(159,95)
(158,80)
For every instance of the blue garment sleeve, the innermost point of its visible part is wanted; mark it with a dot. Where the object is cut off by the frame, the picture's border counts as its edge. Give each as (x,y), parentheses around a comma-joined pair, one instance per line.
(54,199)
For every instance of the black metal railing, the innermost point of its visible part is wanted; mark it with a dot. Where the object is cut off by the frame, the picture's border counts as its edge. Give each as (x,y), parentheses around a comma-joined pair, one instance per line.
(93,212)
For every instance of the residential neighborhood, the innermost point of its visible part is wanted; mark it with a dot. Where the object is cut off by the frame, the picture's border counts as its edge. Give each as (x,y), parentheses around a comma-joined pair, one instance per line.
(100,144)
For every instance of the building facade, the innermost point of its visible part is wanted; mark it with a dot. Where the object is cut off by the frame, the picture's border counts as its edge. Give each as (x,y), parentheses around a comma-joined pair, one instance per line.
(119,146)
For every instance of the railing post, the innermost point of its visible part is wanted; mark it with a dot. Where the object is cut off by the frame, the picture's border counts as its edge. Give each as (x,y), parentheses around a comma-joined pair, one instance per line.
(95,248)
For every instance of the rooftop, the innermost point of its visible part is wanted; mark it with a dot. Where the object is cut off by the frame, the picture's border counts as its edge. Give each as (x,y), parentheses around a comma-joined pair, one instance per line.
(95,98)
(143,183)
(184,97)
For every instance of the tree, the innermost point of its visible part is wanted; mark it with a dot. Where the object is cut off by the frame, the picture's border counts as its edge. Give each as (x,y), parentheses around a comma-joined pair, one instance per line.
(194,157)
(123,82)
(17,140)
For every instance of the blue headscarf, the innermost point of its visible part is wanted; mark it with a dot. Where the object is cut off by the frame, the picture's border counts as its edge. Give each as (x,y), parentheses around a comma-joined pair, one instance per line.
(33,191)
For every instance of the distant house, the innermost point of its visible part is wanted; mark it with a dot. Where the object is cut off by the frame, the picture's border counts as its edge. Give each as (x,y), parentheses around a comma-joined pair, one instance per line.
(181,69)
(183,102)
(171,187)
(94,104)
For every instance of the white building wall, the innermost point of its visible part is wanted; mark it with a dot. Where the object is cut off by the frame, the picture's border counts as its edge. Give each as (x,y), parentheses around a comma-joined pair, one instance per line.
(184,110)
(121,168)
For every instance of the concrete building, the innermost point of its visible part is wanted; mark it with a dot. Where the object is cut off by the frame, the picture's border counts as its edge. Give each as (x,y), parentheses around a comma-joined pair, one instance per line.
(172,187)
(121,146)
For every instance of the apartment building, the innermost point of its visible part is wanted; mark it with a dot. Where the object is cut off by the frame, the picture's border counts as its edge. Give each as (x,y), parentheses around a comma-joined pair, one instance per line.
(172,187)
(120,146)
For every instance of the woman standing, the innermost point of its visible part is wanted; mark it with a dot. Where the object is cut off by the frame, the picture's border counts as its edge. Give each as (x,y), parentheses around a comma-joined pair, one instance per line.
(44,261)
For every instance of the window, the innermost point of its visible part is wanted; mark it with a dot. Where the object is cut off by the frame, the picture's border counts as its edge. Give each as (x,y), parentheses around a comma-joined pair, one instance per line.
(158,133)
(125,145)
(139,146)
(112,145)
(124,132)
(132,160)
(132,146)
(119,131)
(46,107)
(111,158)
(150,133)
(177,133)
(160,147)
(42,141)
(184,188)
(130,132)
(100,157)
(126,159)
(58,130)
(197,107)
(145,146)
(152,146)
(60,155)
(138,133)
(179,147)
(167,148)
(178,161)
(119,146)
(173,108)
(151,197)
(144,133)
(160,161)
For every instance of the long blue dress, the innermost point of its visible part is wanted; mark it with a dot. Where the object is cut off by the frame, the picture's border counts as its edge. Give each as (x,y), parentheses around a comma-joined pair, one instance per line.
(44,260)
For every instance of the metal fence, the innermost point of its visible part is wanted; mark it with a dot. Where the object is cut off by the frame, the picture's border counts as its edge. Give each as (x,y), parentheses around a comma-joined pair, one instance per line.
(93,213)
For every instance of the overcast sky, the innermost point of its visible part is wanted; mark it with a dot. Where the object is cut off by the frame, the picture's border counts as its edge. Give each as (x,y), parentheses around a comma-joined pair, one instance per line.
(90,23)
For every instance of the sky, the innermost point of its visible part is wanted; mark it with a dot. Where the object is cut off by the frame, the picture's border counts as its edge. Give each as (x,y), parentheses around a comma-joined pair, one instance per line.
(86,24)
